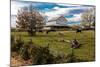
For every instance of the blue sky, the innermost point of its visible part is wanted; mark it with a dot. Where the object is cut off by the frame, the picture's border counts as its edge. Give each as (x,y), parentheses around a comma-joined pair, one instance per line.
(71,12)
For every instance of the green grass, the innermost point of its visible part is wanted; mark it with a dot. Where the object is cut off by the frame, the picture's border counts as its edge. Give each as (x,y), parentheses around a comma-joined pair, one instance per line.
(86,38)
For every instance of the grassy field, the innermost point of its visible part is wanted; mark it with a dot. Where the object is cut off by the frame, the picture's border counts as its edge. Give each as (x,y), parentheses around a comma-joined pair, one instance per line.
(87,40)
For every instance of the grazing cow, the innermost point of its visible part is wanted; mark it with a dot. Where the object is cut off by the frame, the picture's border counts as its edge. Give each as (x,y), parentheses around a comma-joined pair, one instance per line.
(47,31)
(78,31)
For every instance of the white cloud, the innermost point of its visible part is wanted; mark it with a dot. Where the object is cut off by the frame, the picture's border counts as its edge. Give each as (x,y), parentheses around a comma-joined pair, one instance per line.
(77,17)
(15,6)
(56,8)
(57,12)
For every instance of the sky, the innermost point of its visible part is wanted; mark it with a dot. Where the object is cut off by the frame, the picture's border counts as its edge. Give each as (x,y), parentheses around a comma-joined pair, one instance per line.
(86,2)
(71,12)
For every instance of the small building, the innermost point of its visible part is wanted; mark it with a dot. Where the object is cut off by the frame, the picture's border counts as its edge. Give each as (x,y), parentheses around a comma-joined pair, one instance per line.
(56,23)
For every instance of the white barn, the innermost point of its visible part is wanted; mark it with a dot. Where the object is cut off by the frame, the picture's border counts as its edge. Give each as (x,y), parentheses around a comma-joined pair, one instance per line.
(56,23)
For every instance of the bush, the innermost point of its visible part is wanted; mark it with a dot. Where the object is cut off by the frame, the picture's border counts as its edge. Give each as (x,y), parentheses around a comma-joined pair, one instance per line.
(24,52)
(69,58)
(60,58)
(42,55)
(17,44)
(38,54)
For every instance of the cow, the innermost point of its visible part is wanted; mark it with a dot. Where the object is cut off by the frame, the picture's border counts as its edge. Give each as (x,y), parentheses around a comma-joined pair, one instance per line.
(78,30)
(47,31)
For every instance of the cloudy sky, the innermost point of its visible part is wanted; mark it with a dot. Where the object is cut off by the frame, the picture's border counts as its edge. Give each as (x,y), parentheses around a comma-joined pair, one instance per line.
(71,12)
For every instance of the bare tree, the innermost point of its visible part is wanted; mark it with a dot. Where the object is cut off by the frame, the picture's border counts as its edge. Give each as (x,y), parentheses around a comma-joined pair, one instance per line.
(88,17)
(29,19)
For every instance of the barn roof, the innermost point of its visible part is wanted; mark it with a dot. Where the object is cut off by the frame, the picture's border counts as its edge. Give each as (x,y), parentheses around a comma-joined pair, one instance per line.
(55,18)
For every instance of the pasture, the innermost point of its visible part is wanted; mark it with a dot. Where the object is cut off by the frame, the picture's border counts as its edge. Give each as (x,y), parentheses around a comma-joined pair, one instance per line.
(86,38)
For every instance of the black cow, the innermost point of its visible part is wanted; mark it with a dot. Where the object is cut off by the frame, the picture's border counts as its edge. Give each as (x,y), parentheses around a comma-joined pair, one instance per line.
(47,31)
(78,30)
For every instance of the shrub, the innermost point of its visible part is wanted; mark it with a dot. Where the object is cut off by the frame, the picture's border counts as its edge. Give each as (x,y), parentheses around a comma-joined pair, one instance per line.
(60,58)
(16,44)
(71,57)
(42,55)
(38,54)
(24,52)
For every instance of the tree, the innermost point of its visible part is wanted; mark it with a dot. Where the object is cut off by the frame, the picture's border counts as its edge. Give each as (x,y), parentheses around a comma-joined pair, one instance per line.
(88,17)
(29,19)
